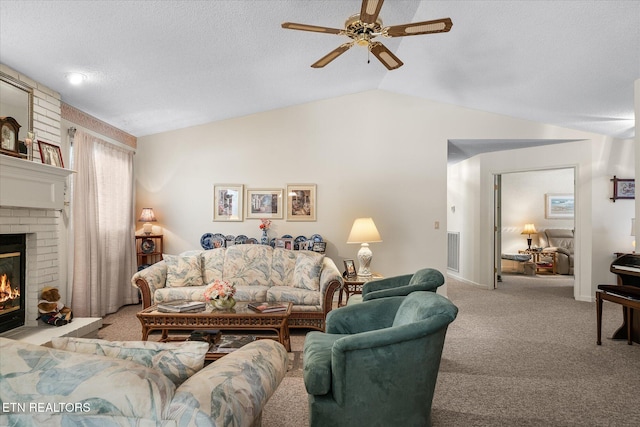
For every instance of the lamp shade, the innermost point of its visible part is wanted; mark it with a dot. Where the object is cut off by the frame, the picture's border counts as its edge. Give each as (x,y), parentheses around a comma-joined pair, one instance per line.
(147,215)
(364,231)
(529,229)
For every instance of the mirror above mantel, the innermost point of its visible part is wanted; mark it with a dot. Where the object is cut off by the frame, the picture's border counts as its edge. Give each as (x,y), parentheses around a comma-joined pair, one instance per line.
(16,100)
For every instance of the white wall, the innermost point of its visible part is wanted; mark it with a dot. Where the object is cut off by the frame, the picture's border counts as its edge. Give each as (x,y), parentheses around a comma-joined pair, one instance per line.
(602,227)
(371,154)
(523,202)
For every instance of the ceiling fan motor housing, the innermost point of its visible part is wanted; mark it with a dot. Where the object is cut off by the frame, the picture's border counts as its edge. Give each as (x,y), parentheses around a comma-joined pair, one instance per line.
(360,32)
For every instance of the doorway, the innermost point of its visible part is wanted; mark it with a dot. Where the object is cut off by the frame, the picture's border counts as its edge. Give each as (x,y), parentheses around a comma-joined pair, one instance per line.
(524,197)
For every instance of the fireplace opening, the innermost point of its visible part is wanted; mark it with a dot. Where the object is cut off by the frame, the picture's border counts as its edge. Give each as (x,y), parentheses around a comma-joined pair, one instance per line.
(12,281)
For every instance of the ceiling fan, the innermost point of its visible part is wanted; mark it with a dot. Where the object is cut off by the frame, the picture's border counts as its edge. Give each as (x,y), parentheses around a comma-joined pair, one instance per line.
(365,26)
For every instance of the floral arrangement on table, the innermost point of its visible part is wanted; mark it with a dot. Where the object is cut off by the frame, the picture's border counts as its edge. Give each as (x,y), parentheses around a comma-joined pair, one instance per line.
(264,226)
(220,294)
(266,223)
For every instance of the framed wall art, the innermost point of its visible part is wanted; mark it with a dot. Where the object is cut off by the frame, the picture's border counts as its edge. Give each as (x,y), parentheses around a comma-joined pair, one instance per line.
(559,206)
(227,202)
(50,154)
(264,203)
(623,188)
(301,202)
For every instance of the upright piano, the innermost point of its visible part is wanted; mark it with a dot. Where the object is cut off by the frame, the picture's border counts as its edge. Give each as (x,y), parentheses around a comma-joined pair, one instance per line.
(626,293)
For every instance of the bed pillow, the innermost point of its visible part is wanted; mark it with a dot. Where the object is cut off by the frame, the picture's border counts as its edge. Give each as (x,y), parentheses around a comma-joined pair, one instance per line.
(177,361)
(183,270)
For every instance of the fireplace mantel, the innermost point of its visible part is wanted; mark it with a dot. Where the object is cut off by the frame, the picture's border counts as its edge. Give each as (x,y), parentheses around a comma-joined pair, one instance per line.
(27,184)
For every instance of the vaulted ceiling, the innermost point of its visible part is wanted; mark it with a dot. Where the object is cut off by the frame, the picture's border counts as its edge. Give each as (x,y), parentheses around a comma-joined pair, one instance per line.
(155,66)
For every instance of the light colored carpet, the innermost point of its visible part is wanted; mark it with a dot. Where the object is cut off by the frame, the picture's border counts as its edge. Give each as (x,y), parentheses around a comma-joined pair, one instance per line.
(524,354)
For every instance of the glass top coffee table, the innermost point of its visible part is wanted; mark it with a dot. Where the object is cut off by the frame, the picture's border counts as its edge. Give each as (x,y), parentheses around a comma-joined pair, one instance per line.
(240,317)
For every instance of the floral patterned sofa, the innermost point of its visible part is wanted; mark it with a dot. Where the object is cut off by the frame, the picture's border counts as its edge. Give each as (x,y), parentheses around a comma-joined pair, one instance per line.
(259,273)
(100,383)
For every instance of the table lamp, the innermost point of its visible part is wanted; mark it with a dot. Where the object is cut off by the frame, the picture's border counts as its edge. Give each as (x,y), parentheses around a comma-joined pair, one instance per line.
(147,216)
(364,231)
(529,229)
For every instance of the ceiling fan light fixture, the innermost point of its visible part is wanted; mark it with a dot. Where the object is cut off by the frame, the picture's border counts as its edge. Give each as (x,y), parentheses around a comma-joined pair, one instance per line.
(362,28)
(362,40)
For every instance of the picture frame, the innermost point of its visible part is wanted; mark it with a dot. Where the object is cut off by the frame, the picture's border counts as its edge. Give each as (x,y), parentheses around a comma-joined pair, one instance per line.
(350,268)
(227,202)
(50,154)
(284,243)
(319,247)
(264,203)
(559,206)
(301,202)
(623,189)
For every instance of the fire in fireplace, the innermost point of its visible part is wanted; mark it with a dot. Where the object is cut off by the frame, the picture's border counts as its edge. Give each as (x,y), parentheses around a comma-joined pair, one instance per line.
(12,281)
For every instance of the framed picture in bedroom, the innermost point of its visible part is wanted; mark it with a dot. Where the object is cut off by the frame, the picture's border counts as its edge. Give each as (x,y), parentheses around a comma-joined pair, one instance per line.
(301,202)
(227,202)
(559,206)
(264,203)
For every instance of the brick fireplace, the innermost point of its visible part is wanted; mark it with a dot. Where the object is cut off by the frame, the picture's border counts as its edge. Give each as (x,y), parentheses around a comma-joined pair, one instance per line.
(32,203)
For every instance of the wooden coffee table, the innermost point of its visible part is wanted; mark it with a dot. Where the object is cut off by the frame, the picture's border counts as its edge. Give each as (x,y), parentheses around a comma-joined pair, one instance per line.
(239,317)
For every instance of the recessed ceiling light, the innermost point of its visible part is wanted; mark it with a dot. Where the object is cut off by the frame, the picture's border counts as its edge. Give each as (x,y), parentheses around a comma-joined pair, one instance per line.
(76,78)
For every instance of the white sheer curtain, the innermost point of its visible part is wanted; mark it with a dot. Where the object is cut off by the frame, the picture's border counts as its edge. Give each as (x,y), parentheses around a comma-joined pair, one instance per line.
(103,227)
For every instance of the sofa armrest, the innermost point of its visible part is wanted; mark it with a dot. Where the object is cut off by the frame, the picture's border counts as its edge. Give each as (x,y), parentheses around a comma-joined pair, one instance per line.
(234,389)
(330,282)
(148,280)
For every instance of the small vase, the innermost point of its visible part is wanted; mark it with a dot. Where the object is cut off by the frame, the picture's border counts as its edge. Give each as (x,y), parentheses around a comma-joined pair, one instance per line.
(265,237)
(223,304)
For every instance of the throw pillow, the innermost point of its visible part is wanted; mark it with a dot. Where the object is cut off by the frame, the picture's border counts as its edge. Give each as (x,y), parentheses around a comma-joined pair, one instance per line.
(183,270)
(177,361)
(212,264)
(306,274)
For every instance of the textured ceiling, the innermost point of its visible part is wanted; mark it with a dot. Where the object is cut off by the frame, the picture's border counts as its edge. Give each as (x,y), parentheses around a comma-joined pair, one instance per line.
(154,66)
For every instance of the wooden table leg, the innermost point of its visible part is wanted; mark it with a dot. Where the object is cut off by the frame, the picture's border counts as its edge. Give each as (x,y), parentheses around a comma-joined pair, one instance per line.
(599,318)
(285,339)
(629,314)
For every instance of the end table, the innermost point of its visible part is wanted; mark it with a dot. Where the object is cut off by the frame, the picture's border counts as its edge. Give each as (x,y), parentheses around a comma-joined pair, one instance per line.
(353,285)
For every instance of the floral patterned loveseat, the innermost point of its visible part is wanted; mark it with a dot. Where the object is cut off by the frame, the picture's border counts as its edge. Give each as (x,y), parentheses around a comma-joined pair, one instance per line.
(259,273)
(130,383)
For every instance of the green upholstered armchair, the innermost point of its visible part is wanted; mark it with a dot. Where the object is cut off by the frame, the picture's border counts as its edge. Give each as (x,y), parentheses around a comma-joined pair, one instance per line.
(427,279)
(378,362)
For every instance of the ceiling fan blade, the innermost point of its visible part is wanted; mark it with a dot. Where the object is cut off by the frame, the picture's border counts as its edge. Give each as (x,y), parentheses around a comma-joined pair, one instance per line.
(313,28)
(331,55)
(416,28)
(385,56)
(370,10)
